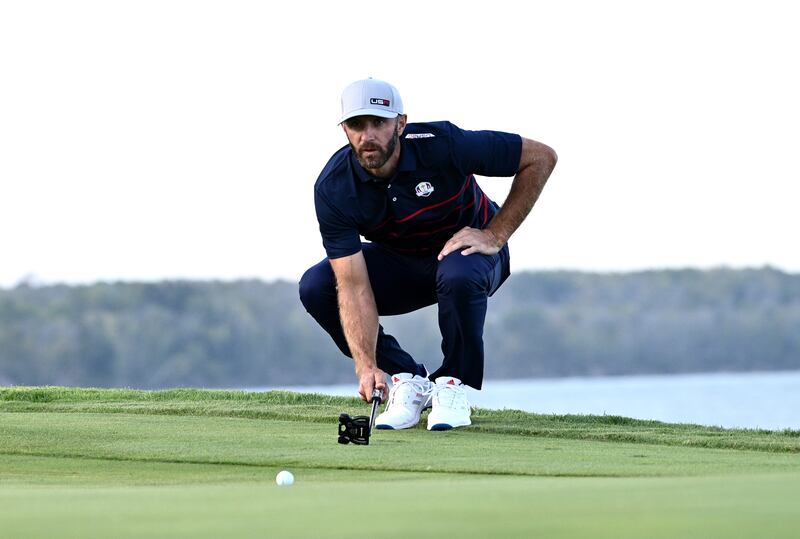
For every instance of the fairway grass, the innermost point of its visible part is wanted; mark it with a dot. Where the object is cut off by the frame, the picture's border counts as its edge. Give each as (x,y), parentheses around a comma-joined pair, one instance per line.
(201,464)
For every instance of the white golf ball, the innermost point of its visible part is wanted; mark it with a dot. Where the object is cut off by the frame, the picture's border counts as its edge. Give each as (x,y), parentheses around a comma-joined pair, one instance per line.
(284,479)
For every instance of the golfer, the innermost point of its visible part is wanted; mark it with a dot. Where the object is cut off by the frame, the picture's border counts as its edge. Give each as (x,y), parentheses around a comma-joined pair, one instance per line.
(433,237)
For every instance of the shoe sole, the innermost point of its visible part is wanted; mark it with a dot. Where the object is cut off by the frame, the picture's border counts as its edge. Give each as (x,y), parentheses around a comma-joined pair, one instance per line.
(446,426)
(386,426)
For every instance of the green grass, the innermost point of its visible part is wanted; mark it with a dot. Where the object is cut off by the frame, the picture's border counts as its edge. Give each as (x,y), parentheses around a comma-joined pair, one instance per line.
(201,464)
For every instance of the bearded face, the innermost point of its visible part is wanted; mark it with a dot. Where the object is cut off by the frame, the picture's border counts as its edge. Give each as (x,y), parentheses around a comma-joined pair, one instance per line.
(373,155)
(373,139)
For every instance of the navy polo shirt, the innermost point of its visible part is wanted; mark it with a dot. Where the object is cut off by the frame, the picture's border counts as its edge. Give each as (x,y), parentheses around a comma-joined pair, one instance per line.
(432,195)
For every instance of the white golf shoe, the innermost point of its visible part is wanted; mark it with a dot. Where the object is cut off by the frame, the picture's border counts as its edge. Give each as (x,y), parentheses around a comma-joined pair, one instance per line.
(450,406)
(407,398)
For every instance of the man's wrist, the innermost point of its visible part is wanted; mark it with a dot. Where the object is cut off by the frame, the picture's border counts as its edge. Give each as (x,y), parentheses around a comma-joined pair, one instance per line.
(364,365)
(498,240)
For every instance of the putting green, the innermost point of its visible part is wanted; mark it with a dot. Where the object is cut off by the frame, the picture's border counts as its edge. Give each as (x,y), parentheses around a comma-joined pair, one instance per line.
(202,465)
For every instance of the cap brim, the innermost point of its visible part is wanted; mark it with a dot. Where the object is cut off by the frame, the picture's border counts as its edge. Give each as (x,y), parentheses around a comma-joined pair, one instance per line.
(380,113)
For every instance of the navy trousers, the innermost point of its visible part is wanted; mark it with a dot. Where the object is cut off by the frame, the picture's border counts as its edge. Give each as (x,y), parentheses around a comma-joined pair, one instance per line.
(401,284)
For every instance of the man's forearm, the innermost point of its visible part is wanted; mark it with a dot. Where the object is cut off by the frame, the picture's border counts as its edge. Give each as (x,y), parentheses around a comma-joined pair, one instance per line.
(359,316)
(525,191)
(523,195)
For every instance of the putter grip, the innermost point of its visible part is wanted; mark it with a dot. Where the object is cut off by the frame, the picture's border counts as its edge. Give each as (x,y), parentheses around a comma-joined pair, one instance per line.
(377,394)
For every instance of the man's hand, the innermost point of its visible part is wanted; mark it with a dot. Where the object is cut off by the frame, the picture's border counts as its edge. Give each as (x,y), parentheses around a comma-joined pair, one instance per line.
(475,241)
(370,379)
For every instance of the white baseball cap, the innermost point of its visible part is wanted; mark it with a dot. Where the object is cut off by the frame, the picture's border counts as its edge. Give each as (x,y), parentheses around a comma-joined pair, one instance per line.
(371,97)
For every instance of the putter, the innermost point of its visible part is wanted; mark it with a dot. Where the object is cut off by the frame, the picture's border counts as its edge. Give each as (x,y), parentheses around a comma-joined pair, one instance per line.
(359,428)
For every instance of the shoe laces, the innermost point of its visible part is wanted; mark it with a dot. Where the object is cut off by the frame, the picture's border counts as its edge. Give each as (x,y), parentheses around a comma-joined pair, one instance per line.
(450,396)
(405,391)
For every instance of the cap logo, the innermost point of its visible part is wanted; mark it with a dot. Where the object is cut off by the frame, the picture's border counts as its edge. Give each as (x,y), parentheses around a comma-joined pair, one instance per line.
(378,101)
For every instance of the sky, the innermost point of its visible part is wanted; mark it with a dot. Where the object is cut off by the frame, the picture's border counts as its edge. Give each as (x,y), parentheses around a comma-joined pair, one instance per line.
(147,140)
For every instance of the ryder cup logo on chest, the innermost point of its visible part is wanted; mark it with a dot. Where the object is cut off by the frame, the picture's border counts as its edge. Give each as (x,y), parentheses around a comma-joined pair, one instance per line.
(423,189)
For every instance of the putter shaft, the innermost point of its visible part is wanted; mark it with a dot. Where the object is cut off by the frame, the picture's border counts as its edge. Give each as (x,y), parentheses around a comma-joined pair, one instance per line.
(377,395)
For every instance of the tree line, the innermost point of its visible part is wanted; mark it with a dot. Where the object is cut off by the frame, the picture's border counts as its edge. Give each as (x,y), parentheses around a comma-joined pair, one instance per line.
(252,333)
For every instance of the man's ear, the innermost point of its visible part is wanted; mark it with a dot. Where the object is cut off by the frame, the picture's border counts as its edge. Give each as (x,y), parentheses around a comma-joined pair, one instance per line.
(401,123)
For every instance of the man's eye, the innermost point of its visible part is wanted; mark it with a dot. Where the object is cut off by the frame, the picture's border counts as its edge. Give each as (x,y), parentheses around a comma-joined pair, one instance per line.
(380,121)
(354,124)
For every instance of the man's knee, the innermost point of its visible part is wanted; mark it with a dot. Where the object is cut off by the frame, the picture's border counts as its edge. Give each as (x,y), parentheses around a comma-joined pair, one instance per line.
(458,275)
(316,285)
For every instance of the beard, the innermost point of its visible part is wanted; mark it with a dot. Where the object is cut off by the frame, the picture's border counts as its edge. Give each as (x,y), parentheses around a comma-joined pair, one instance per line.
(381,155)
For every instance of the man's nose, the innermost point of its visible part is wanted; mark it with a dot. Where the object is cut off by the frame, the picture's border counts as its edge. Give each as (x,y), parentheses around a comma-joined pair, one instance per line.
(369,132)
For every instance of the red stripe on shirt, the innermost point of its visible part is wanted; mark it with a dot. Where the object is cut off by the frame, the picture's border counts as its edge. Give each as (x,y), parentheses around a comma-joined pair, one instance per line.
(383,224)
(456,209)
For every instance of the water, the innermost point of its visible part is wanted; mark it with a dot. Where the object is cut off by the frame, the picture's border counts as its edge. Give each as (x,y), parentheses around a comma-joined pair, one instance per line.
(747,400)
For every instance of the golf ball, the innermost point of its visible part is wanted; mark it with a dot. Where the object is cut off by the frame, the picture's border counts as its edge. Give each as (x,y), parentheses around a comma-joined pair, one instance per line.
(284,479)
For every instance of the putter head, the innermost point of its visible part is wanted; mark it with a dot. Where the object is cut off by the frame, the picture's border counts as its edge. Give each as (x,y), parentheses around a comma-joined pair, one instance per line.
(353,429)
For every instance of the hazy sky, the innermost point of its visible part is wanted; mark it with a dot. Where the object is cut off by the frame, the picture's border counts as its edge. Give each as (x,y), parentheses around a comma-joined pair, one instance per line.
(181,139)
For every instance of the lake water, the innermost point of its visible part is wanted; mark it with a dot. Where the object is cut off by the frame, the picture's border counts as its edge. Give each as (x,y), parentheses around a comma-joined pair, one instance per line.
(748,400)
